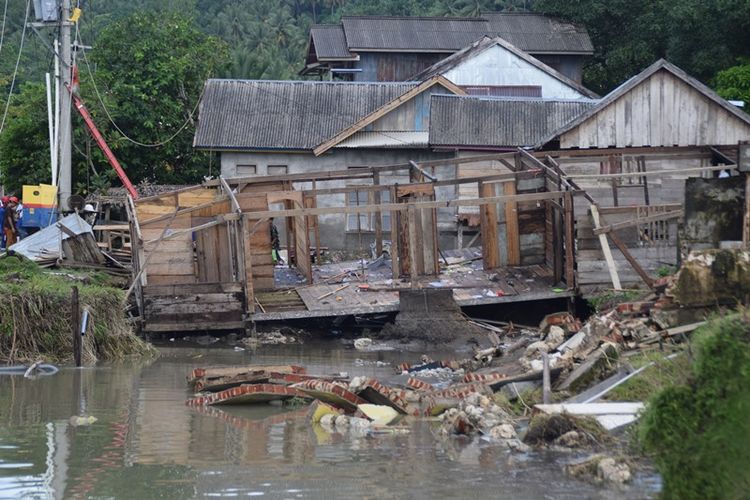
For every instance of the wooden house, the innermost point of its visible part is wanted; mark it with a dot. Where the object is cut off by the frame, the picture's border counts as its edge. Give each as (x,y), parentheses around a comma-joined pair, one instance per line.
(378,48)
(632,153)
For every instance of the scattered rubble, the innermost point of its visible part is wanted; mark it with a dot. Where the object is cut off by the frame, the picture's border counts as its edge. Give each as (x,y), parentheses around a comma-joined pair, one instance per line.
(601,469)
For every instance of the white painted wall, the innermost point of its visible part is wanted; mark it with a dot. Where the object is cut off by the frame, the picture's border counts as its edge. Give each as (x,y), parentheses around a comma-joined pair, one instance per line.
(499,66)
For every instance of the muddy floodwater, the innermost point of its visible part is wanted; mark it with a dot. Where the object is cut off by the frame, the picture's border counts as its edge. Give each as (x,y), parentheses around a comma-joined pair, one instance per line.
(147,444)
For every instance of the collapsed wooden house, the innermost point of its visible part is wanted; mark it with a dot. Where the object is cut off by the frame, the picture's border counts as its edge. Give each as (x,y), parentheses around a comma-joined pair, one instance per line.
(202,256)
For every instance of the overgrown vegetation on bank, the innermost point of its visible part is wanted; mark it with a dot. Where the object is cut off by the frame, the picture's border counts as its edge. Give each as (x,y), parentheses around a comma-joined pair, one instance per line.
(35,315)
(699,431)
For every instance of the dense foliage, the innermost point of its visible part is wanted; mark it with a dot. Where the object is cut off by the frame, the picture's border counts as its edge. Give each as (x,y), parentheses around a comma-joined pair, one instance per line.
(699,432)
(149,59)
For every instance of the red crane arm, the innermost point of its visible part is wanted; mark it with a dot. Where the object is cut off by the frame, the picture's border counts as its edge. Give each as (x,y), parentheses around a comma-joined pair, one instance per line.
(103,146)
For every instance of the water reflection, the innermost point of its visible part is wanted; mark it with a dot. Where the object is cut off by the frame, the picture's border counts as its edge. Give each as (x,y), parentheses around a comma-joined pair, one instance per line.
(146,443)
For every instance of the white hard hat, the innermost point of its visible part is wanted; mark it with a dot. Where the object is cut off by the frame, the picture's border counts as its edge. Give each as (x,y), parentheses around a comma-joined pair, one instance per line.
(88,207)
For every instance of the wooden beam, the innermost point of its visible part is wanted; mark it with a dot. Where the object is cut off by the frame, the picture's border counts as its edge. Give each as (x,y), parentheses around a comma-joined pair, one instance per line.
(378,218)
(465,159)
(247,279)
(606,250)
(414,270)
(512,237)
(488,228)
(638,221)
(633,263)
(184,211)
(404,206)
(221,219)
(421,172)
(653,173)
(569,241)
(228,191)
(395,256)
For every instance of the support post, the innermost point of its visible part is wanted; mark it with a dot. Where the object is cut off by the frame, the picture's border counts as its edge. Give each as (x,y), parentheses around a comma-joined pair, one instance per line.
(378,218)
(395,265)
(606,250)
(248,267)
(75,327)
(513,239)
(569,241)
(746,219)
(64,141)
(488,228)
(413,261)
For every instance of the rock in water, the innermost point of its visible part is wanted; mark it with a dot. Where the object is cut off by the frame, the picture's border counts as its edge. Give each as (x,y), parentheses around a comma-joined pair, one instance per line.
(362,344)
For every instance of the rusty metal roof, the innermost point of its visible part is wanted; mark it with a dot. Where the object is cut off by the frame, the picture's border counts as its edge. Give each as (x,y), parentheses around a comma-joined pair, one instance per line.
(499,122)
(284,115)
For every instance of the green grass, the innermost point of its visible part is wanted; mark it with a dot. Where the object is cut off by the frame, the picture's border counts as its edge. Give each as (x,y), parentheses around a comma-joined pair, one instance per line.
(662,374)
(35,315)
(607,300)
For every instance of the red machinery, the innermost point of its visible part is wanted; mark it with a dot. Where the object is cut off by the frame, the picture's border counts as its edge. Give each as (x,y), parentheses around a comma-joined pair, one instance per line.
(100,139)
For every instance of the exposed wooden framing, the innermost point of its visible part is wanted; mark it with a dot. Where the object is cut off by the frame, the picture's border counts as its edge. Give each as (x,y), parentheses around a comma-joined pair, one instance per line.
(419,205)
(606,250)
(466,159)
(626,210)
(413,244)
(513,239)
(185,211)
(248,264)
(488,224)
(395,264)
(715,153)
(653,173)
(569,241)
(378,217)
(674,214)
(230,194)
(629,257)
(640,150)
(220,219)
(422,173)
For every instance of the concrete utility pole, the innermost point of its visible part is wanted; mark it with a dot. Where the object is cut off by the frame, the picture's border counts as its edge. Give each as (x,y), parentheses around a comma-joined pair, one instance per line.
(64,131)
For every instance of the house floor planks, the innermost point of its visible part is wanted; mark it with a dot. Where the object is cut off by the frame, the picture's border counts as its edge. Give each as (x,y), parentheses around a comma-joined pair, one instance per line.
(344,288)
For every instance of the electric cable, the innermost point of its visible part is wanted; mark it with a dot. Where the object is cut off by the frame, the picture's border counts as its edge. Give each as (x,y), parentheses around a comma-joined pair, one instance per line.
(114,124)
(18,62)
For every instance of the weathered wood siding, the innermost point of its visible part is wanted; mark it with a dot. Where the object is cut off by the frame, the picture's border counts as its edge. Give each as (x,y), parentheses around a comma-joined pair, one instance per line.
(661,111)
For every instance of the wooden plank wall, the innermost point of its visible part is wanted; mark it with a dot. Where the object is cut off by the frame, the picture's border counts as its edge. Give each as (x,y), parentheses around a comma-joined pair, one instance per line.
(252,199)
(531,223)
(661,111)
(172,261)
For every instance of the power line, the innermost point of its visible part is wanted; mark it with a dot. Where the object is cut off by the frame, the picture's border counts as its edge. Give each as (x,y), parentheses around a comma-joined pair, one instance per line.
(15,71)
(114,124)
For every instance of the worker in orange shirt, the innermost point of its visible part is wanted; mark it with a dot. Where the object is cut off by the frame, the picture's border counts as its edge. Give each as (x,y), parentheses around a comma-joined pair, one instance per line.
(9,222)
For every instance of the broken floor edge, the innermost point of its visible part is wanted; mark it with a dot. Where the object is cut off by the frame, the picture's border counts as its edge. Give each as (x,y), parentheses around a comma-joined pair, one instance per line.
(291,315)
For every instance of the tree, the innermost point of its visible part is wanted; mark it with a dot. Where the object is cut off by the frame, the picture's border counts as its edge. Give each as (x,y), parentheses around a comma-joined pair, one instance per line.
(24,143)
(150,72)
(734,83)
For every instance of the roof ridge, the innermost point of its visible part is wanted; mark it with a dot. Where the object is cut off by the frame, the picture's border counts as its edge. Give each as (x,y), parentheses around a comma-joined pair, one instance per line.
(420,18)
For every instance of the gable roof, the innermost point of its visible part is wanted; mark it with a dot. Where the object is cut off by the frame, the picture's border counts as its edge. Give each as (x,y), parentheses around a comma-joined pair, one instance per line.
(284,115)
(535,33)
(498,122)
(485,43)
(330,42)
(630,84)
(385,109)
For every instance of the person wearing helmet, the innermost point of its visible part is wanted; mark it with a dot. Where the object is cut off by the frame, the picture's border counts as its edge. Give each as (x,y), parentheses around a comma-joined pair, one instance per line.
(9,222)
(89,213)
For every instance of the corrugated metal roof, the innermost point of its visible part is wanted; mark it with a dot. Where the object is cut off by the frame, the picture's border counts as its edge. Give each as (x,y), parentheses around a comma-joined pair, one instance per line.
(289,115)
(412,33)
(330,41)
(386,139)
(538,33)
(529,32)
(499,122)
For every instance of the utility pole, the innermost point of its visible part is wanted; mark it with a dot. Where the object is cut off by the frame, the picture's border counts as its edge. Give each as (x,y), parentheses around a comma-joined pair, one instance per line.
(65,188)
